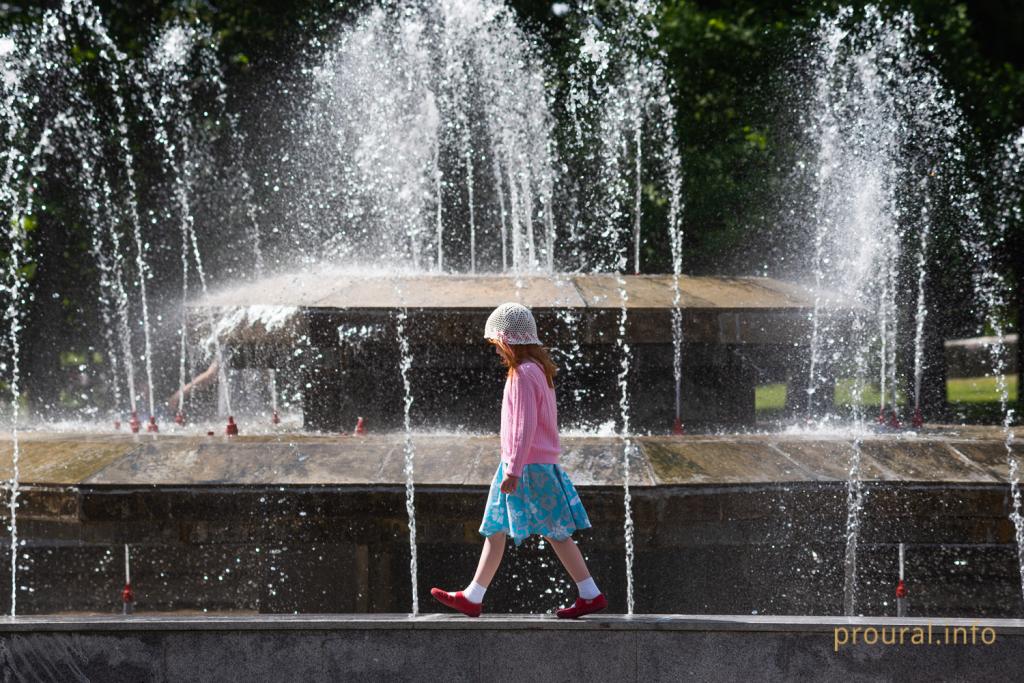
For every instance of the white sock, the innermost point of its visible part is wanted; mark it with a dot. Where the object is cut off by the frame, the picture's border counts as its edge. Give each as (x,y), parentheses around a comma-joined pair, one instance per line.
(588,589)
(474,592)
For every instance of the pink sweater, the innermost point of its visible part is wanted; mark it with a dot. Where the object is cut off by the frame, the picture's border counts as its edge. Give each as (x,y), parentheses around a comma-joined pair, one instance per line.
(529,420)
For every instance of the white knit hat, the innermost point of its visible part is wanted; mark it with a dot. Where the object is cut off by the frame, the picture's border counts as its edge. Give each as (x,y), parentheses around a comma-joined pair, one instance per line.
(513,324)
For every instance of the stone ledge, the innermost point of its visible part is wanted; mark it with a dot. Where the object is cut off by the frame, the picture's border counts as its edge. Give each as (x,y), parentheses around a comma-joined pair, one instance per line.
(950,456)
(396,647)
(337,289)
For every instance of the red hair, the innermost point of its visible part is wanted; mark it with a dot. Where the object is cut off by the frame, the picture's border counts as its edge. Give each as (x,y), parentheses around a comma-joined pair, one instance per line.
(512,355)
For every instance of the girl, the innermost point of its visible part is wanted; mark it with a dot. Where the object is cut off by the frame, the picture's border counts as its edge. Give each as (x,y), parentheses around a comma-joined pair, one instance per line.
(530,493)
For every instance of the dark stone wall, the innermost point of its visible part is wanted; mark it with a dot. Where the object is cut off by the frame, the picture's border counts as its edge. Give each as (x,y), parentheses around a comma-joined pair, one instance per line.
(457,378)
(772,549)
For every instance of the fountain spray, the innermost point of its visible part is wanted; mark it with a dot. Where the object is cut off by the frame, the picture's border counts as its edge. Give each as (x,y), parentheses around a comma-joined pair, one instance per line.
(405,365)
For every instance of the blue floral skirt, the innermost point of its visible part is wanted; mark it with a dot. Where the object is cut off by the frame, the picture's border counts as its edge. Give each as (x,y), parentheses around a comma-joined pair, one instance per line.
(545,502)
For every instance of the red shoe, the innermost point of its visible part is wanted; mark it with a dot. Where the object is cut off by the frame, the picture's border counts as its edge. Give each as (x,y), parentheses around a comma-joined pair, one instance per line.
(456,601)
(582,607)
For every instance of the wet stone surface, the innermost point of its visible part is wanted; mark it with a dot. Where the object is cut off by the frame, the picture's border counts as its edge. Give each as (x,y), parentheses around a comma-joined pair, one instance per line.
(336,289)
(465,459)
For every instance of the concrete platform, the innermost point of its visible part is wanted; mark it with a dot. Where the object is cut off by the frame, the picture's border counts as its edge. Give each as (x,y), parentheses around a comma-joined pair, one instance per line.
(455,648)
(346,290)
(963,456)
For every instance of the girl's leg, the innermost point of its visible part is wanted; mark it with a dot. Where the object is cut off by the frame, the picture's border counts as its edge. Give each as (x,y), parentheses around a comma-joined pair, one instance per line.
(490,559)
(468,601)
(571,557)
(591,600)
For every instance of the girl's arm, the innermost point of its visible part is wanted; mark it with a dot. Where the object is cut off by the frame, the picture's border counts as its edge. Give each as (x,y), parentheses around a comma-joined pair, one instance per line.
(521,409)
(207,375)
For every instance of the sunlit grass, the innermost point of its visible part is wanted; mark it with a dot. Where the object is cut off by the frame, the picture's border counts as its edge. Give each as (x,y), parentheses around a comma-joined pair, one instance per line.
(871,395)
(978,389)
(772,397)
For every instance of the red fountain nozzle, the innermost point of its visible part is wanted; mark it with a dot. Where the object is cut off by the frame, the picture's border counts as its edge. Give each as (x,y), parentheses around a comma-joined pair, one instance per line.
(918,420)
(881,416)
(901,589)
(360,427)
(677,427)
(117,425)
(275,418)
(179,419)
(894,420)
(232,428)
(134,423)
(128,599)
(151,427)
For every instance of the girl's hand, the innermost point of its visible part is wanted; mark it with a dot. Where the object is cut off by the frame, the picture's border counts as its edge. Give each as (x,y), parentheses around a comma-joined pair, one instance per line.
(174,401)
(509,483)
